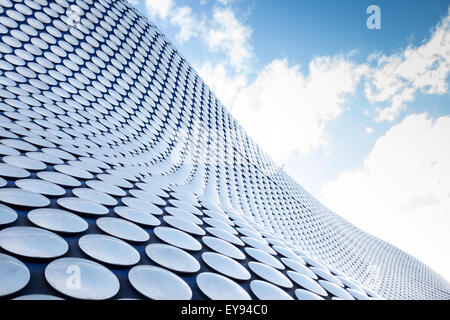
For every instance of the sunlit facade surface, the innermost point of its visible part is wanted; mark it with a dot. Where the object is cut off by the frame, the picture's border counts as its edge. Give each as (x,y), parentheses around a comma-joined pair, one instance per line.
(123,176)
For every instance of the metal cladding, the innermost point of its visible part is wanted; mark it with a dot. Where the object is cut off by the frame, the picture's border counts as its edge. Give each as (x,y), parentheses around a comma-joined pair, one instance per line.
(122,176)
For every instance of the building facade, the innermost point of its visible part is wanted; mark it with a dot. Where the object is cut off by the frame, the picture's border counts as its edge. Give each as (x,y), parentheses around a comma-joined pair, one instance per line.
(123,176)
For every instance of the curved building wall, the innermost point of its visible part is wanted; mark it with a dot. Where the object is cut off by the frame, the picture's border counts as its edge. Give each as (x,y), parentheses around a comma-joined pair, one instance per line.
(119,164)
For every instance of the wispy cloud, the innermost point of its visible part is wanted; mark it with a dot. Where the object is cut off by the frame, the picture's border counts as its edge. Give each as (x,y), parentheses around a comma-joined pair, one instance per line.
(404,184)
(390,81)
(396,78)
(307,101)
(188,24)
(222,32)
(286,110)
(159,8)
(229,35)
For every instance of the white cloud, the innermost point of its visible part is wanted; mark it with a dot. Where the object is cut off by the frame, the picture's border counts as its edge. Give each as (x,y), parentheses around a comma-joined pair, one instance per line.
(397,77)
(222,32)
(286,111)
(228,34)
(402,192)
(294,107)
(225,85)
(283,109)
(389,85)
(184,19)
(159,8)
(369,130)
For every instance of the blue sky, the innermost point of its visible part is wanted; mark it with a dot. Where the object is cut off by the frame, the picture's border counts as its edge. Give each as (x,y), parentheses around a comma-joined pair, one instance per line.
(359,117)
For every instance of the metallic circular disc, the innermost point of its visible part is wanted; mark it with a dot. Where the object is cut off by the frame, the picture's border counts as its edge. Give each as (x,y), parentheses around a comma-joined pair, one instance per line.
(41,187)
(218,216)
(38,297)
(184,205)
(82,279)
(258,244)
(172,258)
(286,252)
(14,275)
(19,144)
(122,229)
(248,231)
(218,287)
(223,247)
(358,294)
(7,215)
(94,196)
(184,225)
(270,274)
(153,189)
(32,242)
(299,267)
(184,215)
(158,283)
(327,276)
(109,250)
(264,257)
(24,162)
(302,294)
(225,235)
(336,290)
(306,282)
(23,198)
(82,206)
(350,283)
(106,188)
(147,196)
(209,204)
(373,294)
(142,205)
(8,151)
(267,291)
(137,216)
(313,262)
(220,225)
(114,180)
(177,238)
(46,158)
(57,220)
(59,178)
(226,266)
(73,171)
